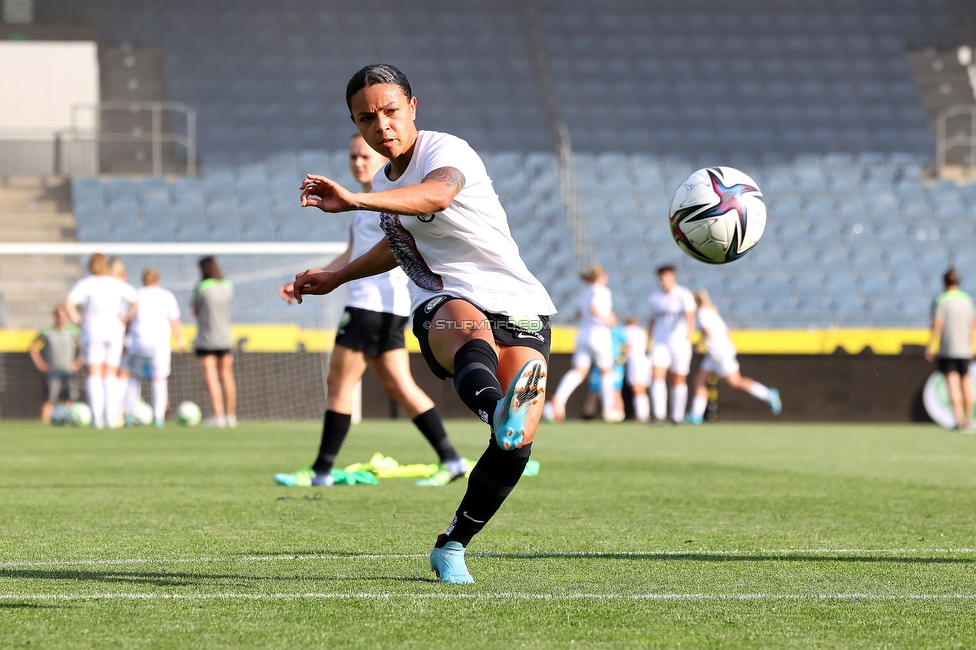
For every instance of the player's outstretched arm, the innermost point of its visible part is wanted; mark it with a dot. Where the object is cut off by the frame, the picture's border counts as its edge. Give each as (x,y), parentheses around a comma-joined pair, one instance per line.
(287,290)
(378,259)
(433,194)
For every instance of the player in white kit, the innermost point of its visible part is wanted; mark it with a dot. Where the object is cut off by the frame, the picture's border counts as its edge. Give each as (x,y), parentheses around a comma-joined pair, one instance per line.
(720,358)
(106,305)
(594,345)
(371,333)
(480,316)
(638,368)
(672,325)
(150,353)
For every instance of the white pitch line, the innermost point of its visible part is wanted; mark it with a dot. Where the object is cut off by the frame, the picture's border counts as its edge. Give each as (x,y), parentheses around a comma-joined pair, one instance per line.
(536,555)
(489,596)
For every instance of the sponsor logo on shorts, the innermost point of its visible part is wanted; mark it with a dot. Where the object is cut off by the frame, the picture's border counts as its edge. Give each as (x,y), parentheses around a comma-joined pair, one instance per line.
(529,335)
(426,218)
(431,304)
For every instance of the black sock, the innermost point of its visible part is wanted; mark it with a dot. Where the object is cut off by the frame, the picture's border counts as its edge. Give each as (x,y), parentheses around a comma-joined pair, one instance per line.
(432,427)
(491,481)
(475,366)
(334,429)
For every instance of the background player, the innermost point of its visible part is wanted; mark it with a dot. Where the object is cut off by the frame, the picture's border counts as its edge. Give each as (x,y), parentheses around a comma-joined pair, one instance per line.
(107,305)
(594,345)
(720,358)
(55,352)
(638,368)
(371,333)
(150,354)
(117,269)
(480,316)
(953,325)
(672,324)
(212,300)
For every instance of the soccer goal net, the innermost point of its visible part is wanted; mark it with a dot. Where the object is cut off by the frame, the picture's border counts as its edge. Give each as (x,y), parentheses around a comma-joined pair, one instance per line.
(281,350)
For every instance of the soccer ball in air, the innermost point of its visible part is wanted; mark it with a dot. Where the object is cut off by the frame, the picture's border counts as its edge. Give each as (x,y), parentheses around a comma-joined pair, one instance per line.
(717,215)
(81,414)
(188,414)
(142,413)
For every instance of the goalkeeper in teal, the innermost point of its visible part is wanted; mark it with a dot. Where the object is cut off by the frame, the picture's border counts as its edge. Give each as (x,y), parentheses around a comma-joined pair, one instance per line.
(953,325)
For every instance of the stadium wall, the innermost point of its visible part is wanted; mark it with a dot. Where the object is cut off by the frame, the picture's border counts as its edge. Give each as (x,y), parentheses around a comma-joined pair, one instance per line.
(815,388)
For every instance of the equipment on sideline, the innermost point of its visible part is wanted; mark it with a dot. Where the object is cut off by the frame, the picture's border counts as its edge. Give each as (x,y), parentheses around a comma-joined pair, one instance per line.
(81,414)
(717,215)
(142,414)
(188,414)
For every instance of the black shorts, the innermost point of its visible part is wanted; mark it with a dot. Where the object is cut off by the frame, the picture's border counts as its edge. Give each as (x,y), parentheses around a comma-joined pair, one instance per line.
(370,332)
(535,334)
(60,387)
(212,353)
(947,365)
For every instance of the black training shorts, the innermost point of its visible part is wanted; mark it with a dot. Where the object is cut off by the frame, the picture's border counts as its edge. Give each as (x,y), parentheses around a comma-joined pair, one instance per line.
(534,333)
(947,365)
(370,332)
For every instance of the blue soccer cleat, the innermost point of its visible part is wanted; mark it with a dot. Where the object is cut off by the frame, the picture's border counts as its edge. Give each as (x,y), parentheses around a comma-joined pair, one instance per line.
(691,418)
(775,404)
(524,393)
(447,561)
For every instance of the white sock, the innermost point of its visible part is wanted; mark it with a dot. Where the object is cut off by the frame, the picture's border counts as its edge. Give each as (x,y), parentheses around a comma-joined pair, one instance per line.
(659,398)
(698,406)
(113,400)
(760,391)
(679,400)
(160,394)
(607,393)
(132,396)
(642,407)
(570,381)
(95,387)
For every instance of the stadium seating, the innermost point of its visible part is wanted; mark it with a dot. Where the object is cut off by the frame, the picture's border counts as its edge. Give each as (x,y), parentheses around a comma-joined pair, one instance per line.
(815,101)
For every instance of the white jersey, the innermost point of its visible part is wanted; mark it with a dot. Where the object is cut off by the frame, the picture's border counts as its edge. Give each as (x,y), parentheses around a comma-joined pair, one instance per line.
(387,292)
(467,250)
(669,313)
(150,329)
(717,341)
(596,296)
(636,342)
(104,301)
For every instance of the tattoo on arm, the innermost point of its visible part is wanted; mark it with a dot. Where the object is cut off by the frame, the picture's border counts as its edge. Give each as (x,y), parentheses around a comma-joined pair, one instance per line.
(450,176)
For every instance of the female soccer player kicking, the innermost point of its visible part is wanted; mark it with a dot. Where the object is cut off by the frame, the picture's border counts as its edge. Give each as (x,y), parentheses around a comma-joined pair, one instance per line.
(371,331)
(481,317)
(720,358)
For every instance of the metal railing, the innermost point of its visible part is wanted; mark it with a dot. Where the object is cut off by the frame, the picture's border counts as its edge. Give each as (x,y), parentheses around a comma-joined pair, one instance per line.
(157,135)
(958,145)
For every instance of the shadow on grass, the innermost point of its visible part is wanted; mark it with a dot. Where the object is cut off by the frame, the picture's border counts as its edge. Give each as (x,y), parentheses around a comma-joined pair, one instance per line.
(27,606)
(176,579)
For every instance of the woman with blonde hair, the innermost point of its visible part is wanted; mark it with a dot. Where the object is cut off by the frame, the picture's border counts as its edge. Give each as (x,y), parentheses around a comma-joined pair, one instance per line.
(102,305)
(720,358)
(594,346)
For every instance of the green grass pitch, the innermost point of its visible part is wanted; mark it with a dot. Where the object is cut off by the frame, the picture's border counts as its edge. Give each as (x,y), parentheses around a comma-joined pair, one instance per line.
(720,536)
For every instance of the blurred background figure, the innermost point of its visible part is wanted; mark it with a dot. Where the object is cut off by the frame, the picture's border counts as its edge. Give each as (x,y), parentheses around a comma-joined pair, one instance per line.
(106,305)
(594,346)
(672,324)
(720,358)
(638,368)
(150,353)
(953,326)
(212,300)
(117,269)
(56,353)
